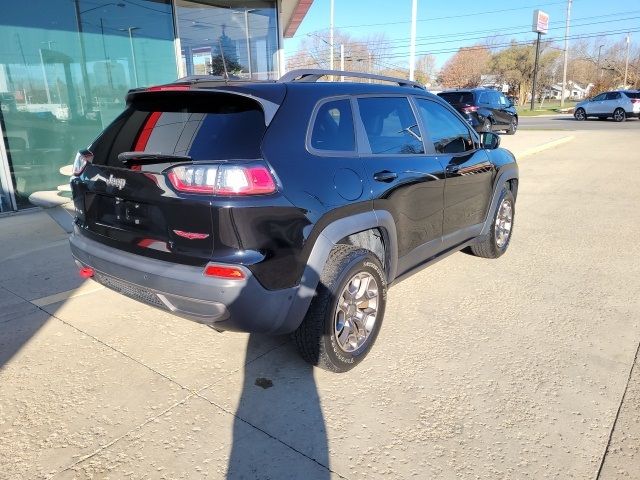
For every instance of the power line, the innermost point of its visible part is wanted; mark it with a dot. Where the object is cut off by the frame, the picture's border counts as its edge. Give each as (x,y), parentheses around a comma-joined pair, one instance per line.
(474,14)
(467,38)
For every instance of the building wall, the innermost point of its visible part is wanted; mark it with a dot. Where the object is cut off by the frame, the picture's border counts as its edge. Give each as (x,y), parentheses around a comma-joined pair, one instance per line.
(66,65)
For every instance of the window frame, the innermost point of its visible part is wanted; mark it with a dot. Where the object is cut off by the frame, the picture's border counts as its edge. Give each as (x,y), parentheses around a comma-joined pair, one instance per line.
(474,135)
(312,122)
(362,133)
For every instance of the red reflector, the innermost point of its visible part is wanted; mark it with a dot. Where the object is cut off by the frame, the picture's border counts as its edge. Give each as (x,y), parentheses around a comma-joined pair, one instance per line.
(191,235)
(222,271)
(86,272)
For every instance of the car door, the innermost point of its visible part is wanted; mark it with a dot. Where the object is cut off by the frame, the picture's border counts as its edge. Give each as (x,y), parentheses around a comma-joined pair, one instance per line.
(404,179)
(597,105)
(498,113)
(506,109)
(468,170)
(613,101)
(485,108)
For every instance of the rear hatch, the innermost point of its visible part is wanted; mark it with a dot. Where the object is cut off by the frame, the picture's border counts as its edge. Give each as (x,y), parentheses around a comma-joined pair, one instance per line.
(124,196)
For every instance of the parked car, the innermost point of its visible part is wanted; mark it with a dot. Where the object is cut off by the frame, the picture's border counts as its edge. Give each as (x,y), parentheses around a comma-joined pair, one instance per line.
(619,105)
(286,206)
(485,109)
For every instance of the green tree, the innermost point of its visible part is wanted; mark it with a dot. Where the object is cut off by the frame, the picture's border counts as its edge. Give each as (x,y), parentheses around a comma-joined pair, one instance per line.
(514,65)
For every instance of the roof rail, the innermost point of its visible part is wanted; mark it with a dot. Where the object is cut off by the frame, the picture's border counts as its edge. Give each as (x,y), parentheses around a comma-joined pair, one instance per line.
(313,75)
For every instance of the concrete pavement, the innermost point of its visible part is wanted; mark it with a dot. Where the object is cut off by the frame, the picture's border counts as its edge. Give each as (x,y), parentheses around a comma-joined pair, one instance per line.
(512,368)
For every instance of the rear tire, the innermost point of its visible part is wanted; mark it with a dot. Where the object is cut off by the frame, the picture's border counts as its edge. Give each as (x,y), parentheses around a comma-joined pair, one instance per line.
(619,115)
(346,314)
(580,114)
(496,242)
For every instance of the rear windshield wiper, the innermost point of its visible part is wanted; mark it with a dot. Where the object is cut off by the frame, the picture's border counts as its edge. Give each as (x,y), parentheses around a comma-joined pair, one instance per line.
(148,158)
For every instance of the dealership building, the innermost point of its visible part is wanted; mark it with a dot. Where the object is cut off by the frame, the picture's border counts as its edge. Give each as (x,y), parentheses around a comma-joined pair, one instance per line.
(66,65)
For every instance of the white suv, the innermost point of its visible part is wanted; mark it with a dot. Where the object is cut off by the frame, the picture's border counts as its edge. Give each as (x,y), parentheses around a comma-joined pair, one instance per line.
(619,105)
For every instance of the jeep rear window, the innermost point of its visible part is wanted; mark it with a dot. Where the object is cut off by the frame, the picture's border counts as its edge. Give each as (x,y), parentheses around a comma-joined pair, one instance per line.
(457,97)
(204,126)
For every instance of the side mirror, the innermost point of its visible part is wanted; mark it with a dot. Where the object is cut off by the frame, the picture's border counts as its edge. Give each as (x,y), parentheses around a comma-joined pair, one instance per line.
(489,140)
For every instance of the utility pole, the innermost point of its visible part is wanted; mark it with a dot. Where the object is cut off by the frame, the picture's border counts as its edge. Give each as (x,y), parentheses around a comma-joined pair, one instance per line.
(599,53)
(566,52)
(331,37)
(626,64)
(412,48)
(535,73)
(342,61)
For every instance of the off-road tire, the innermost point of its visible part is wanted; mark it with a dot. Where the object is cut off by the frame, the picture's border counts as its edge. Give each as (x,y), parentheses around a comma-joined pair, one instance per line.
(487,246)
(315,337)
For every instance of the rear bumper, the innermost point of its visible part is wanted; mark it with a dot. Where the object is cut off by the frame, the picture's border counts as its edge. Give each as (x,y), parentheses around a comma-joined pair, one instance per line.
(240,305)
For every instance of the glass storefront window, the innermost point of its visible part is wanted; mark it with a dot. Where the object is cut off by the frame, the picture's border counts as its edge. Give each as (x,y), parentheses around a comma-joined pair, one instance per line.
(65,68)
(215,35)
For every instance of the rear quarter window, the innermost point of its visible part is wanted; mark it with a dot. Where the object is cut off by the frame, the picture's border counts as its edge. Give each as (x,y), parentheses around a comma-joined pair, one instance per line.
(333,127)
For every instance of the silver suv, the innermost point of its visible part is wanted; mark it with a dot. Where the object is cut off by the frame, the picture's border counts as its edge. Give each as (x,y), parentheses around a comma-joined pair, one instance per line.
(619,105)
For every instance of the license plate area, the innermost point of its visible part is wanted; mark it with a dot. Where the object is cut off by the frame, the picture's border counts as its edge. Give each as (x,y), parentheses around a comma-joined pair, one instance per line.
(123,214)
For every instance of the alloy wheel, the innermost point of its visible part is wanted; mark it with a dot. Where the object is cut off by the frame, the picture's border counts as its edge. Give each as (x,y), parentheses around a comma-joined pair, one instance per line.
(619,115)
(504,222)
(357,312)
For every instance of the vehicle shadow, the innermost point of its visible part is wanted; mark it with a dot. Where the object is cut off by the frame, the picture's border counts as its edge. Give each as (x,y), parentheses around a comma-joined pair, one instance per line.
(280,407)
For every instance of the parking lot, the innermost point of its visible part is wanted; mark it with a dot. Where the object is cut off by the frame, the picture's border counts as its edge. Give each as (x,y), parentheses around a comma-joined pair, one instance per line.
(520,367)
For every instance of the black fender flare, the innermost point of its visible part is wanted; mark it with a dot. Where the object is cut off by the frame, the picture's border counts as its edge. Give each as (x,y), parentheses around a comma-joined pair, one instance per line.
(507,172)
(325,241)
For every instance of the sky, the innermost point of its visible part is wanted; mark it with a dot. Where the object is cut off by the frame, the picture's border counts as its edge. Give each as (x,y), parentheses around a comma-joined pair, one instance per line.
(443,27)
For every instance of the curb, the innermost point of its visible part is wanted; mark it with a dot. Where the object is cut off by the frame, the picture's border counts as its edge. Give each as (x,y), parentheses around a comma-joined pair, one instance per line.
(545,146)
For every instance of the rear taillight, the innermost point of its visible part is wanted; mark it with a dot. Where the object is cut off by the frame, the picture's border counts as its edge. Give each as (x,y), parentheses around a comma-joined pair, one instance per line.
(224,271)
(635,100)
(226,180)
(469,109)
(81,160)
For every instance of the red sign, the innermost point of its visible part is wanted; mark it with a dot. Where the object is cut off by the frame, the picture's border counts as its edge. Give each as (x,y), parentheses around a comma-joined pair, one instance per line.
(540,21)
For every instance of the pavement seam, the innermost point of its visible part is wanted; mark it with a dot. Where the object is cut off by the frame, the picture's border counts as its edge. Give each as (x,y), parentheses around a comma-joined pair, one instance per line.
(615,420)
(282,442)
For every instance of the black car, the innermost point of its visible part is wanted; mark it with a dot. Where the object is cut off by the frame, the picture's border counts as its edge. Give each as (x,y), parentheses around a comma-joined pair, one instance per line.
(485,109)
(288,206)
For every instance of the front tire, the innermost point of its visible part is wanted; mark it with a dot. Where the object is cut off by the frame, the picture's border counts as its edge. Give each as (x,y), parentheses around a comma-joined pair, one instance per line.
(513,126)
(619,115)
(346,314)
(496,242)
(580,114)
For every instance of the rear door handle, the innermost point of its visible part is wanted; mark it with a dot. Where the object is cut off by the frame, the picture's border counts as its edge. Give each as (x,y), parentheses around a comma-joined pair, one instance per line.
(385,176)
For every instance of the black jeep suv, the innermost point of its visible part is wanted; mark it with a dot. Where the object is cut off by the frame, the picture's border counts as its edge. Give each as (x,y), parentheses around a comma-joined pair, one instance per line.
(287,206)
(485,109)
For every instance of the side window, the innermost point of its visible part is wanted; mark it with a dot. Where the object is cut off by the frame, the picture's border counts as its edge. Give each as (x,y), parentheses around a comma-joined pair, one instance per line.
(390,125)
(494,98)
(484,99)
(613,95)
(600,97)
(448,133)
(333,127)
